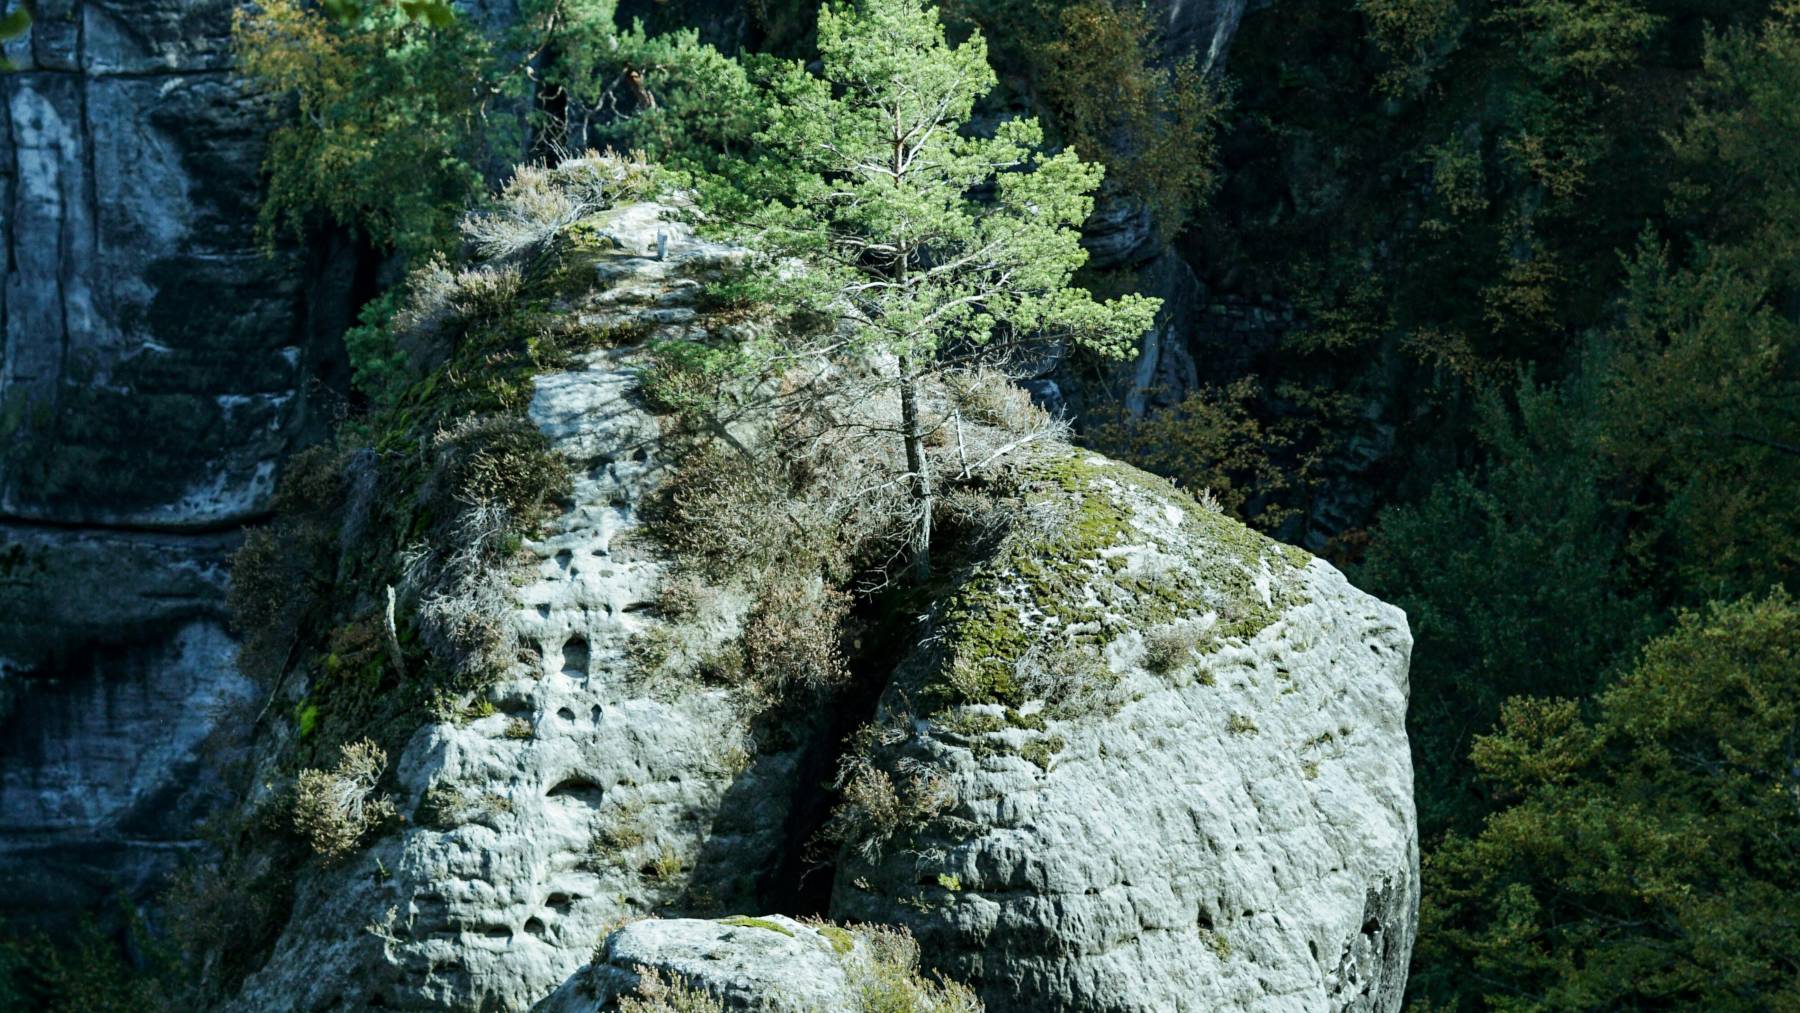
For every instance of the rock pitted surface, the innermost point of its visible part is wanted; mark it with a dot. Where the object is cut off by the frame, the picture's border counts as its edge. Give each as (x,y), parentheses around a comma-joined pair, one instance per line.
(1227,825)
(589,794)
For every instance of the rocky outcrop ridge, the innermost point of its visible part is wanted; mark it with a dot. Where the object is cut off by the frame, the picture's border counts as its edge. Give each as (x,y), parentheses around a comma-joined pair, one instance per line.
(574,794)
(1215,814)
(1165,756)
(155,369)
(1227,823)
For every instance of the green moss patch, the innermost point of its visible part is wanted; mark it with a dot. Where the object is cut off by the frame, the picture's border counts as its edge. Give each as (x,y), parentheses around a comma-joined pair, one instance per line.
(1071,581)
(841,940)
(757,923)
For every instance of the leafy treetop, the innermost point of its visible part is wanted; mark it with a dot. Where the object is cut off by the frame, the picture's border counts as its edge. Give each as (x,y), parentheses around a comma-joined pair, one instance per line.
(929,241)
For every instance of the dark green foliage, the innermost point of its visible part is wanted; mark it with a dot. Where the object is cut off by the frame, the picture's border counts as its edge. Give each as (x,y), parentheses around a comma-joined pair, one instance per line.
(14,24)
(406,112)
(1600,853)
(1648,855)
(90,971)
(1700,379)
(386,138)
(1512,578)
(1108,88)
(377,365)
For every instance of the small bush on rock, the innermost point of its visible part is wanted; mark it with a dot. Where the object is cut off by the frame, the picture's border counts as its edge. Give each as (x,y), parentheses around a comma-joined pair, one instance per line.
(505,461)
(463,597)
(658,992)
(791,637)
(534,207)
(334,810)
(884,974)
(878,804)
(1169,648)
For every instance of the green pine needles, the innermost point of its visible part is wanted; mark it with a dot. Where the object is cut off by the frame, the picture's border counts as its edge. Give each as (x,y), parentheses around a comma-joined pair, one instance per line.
(932,246)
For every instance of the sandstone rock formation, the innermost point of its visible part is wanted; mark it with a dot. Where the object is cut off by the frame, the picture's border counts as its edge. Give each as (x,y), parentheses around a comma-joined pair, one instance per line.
(155,367)
(155,370)
(589,794)
(1195,794)
(1228,825)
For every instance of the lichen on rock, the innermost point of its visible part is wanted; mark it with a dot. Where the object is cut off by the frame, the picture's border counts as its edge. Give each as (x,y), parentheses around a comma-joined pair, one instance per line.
(1222,820)
(1089,560)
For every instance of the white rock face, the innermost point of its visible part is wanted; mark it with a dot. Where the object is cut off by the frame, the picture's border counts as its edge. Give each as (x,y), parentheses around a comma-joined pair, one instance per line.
(587,797)
(772,965)
(1237,835)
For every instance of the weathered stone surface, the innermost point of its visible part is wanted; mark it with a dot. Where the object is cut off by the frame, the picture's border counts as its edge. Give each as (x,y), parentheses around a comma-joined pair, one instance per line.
(1121,232)
(772,964)
(590,794)
(156,364)
(1231,832)
(98,785)
(116,676)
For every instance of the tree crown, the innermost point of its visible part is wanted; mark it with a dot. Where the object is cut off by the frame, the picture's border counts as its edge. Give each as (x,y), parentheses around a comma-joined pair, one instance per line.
(923,235)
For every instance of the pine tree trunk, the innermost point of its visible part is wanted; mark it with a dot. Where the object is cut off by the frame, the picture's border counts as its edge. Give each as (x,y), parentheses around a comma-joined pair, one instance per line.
(915,464)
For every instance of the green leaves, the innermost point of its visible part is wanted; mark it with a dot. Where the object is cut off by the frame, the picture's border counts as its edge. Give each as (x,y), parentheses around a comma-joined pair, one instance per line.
(1652,858)
(14,25)
(387,135)
(435,13)
(932,240)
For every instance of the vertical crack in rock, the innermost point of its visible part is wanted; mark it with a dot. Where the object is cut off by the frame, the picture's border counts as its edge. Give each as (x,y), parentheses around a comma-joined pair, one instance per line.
(148,392)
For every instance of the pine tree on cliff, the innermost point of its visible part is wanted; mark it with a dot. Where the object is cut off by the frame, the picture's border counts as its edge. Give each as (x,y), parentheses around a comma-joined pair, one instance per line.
(931,242)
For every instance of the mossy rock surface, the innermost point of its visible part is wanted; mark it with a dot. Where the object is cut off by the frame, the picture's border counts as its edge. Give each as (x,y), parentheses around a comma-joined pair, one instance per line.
(1103,549)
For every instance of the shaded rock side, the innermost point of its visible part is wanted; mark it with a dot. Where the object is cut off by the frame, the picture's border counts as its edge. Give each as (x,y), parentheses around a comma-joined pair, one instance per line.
(1222,820)
(119,703)
(155,368)
(1203,28)
(156,364)
(589,794)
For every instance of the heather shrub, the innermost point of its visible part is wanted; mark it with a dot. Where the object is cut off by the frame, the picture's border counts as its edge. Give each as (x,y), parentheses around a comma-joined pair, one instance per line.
(336,809)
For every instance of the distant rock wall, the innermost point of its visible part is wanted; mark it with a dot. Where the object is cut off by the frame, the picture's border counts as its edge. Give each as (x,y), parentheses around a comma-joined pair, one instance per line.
(155,368)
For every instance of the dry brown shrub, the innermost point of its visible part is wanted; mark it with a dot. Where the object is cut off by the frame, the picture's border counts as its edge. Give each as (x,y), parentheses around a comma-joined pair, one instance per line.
(792,637)
(660,992)
(880,800)
(335,809)
(465,595)
(504,460)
